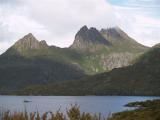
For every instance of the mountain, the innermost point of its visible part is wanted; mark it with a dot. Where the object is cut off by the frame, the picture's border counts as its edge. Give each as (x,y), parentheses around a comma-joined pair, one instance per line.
(119,39)
(141,78)
(105,49)
(93,51)
(86,38)
(30,61)
(113,38)
(29,42)
(157,46)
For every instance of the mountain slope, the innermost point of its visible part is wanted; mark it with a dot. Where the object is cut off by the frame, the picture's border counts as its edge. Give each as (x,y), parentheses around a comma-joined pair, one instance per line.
(142,78)
(120,40)
(29,61)
(29,42)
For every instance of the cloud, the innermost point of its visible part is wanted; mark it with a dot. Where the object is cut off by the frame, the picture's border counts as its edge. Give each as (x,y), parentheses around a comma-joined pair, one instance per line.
(9,1)
(64,17)
(57,21)
(147,32)
(14,23)
(140,19)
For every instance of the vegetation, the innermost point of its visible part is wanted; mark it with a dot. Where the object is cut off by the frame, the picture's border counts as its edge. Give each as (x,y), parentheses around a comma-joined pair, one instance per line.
(149,110)
(73,113)
(142,78)
(146,104)
(17,71)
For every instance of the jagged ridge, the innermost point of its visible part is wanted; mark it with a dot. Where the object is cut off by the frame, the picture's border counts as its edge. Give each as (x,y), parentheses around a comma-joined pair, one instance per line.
(37,61)
(29,42)
(85,38)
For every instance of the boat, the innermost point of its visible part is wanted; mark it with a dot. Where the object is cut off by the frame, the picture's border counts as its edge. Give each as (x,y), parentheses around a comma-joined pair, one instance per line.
(26,101)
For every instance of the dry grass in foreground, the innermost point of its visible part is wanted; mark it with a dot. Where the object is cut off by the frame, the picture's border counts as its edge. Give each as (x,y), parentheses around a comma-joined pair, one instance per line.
(148,110)
(73,113)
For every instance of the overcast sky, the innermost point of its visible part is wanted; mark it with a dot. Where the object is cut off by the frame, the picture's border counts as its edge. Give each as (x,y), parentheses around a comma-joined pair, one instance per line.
(57,21)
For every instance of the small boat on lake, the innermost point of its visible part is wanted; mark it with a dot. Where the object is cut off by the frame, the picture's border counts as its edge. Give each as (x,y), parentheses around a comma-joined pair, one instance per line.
(26,101)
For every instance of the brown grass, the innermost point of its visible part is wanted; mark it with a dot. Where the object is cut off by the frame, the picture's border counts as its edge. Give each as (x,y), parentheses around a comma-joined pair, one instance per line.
(73,113)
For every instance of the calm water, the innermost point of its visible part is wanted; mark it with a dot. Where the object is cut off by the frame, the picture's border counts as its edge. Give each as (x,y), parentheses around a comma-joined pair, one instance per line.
(92,104)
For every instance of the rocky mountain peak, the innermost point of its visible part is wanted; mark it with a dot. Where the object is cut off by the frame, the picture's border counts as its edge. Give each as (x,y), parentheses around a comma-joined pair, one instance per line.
(29,36)
(43,42)
(118,38)
(29,42)
(83,29)
(86,37)
(112,32)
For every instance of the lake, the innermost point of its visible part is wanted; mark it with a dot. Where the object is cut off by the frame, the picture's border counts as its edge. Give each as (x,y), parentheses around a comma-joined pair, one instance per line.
(92,104)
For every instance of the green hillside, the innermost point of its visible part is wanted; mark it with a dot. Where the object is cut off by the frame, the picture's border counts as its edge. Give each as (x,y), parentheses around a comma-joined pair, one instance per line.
(30,62)
(147,110)
(142,78)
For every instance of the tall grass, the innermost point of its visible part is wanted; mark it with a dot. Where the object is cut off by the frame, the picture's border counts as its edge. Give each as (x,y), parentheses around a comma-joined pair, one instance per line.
(73,113)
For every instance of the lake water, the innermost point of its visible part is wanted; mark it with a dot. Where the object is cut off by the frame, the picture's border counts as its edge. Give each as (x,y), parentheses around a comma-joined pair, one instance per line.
(92,104)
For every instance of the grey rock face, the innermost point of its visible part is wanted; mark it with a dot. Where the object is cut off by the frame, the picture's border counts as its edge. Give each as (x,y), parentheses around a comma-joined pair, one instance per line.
(116,60)
(29,42)
(113,46)
(88,37)
(114,32)
(43,43)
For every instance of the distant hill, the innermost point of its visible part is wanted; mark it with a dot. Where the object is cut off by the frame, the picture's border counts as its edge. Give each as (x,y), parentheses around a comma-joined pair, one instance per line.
(141,78)
(31,62)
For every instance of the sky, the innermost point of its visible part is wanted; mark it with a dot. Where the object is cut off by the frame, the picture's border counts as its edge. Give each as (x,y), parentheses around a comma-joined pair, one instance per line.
(57,21)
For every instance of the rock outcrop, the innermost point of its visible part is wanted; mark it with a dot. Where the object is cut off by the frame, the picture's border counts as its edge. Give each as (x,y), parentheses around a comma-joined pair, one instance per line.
(116,60)
(29,42)
(87,38)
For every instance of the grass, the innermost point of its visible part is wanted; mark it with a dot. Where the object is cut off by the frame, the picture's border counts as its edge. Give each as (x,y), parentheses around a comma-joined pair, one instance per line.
(73,113)
(148,110)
